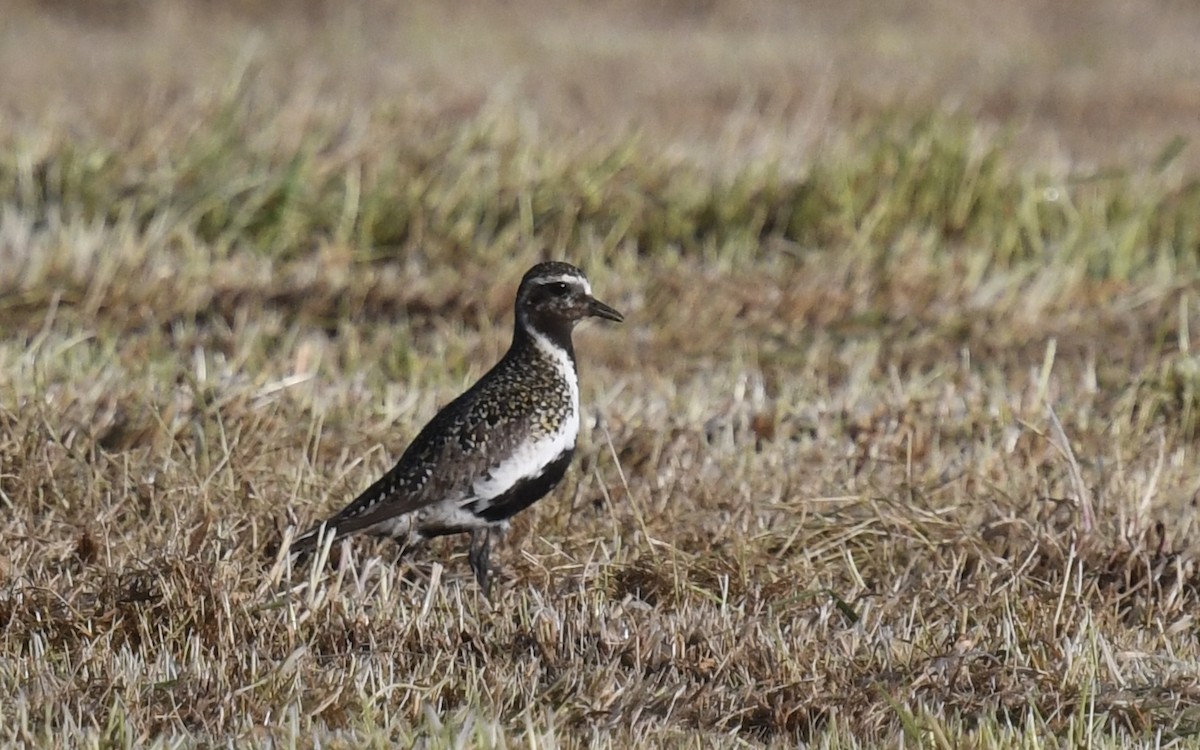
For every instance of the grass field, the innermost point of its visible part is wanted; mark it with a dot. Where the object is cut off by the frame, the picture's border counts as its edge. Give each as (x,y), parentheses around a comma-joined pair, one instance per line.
(896,447)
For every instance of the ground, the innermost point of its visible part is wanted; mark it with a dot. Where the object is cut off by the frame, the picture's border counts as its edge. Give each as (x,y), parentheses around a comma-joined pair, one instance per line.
(896,447)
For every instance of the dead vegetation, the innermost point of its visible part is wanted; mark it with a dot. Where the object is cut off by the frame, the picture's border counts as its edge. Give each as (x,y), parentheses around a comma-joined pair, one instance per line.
(821,496)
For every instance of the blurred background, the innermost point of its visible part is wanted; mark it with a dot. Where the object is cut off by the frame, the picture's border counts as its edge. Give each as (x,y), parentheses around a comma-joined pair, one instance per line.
(1101,82)
(247,248)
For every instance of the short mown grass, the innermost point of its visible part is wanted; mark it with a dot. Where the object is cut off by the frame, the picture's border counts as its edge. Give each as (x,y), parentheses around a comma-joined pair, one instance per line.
(836,482)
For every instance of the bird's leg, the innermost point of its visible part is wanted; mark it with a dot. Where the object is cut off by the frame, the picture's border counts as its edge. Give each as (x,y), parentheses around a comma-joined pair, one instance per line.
(408,545)
(481,547)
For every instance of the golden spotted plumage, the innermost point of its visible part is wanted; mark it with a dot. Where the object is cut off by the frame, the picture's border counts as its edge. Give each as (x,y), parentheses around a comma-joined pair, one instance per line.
(498,447)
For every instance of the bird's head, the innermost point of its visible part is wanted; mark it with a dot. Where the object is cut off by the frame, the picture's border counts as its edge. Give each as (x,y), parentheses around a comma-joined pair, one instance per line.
(554,296)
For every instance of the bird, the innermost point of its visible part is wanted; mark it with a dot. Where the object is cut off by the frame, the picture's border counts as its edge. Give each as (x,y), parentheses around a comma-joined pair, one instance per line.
(501,446)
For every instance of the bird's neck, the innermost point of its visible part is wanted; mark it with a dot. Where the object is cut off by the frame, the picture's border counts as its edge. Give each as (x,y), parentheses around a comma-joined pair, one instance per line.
(550,337)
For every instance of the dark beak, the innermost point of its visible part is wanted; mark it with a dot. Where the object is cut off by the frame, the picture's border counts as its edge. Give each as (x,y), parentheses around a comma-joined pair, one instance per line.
(600,310)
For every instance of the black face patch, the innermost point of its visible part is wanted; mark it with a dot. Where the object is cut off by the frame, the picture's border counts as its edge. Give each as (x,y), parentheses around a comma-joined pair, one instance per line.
(554,290)
(557,299)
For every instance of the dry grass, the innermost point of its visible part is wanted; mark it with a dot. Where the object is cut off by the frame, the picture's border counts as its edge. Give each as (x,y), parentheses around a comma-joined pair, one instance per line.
(821,497)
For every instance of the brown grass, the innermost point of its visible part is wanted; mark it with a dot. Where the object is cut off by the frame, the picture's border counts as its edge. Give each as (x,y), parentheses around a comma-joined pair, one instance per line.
(819,497)
(712,79)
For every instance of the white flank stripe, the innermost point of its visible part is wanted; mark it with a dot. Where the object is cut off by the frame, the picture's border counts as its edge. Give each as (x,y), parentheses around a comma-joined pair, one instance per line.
(531,457)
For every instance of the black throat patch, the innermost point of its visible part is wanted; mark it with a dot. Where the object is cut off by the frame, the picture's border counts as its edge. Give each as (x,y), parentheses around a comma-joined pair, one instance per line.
(555,328)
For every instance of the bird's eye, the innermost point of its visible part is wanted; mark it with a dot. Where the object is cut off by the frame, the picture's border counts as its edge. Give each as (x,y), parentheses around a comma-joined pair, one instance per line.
(559,288)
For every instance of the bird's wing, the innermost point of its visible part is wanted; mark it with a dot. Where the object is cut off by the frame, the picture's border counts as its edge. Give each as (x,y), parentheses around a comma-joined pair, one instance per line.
(443,462)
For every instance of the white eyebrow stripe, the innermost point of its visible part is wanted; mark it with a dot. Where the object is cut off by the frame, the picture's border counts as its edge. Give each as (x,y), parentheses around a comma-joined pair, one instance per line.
(568,279)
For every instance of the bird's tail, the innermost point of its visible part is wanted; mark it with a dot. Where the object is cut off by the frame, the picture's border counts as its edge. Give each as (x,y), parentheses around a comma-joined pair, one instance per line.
(309,540)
